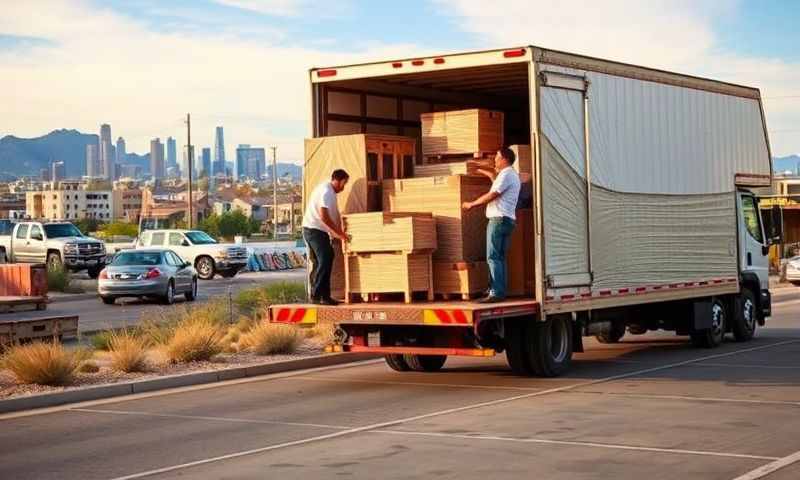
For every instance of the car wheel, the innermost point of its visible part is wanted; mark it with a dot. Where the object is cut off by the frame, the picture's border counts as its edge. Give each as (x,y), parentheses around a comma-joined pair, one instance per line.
(54,261)
(205,268)
(169,296)
(191,294)
(108,300)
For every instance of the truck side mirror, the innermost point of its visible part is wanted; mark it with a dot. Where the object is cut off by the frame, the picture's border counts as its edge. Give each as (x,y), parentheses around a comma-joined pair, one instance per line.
(776,225)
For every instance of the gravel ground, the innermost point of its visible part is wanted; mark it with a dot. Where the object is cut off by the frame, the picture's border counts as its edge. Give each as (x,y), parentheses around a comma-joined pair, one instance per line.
(10,388)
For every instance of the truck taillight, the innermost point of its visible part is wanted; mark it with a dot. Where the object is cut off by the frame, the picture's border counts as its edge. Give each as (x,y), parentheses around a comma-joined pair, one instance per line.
(520,52)
(152,273)
(326,73)
(103,274)
(418,63)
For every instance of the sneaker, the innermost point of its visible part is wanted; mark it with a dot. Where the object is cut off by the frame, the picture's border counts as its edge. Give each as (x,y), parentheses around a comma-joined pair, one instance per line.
(489,299)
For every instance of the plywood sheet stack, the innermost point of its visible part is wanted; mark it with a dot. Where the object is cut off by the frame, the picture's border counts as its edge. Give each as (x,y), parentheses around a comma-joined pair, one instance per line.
(469,167)
(519,259)
(462,132)
(460,278)
(389,253)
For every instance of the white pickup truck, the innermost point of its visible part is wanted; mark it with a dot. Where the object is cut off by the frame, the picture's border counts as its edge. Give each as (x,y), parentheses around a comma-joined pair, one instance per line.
(198,248)
(59,244)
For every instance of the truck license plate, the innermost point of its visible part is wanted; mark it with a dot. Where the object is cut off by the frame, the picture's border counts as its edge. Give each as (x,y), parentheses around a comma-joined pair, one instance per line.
(374,339)
(368,316)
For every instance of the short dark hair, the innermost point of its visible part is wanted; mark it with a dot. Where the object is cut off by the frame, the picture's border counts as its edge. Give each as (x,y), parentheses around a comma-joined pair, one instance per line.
(508,154)
(339,174)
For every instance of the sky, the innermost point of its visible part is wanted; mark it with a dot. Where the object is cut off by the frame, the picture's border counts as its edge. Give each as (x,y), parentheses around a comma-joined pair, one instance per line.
(141,65)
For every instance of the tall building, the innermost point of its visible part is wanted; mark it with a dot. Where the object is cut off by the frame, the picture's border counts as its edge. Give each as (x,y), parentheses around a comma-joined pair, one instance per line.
(106,152)
(188,154)
(156,159)
(122,154)
(219,152)
(250,162)
(92,160)
(205,163)
(172,152)
(58,171)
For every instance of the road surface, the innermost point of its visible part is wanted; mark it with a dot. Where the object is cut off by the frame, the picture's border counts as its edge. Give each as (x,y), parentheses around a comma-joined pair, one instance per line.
(649,408)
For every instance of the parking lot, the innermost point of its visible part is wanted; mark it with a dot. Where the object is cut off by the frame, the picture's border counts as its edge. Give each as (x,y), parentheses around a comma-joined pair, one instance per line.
(650,407)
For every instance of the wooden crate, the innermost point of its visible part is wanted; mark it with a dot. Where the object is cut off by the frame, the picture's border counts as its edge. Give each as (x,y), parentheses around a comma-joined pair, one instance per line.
(369,159)
(461,235)
(390,232)
(461,131)
(519,261)
(468,167)
(23,280)
(460,278)
(401,272)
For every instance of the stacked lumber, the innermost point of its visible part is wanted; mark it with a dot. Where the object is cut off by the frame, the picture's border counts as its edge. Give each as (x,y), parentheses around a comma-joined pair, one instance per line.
(390,232)
(462,235)
(469,167)
(375,273)
(462,132)
(460,278)
(519,260)
(523,163)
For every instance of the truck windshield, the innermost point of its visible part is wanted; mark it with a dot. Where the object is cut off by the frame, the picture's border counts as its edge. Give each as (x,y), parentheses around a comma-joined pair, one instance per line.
(61,230)
(200,238)
(137,258)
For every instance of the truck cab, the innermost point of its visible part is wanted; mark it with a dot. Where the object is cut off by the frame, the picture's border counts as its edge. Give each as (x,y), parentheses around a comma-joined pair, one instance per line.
(208,256)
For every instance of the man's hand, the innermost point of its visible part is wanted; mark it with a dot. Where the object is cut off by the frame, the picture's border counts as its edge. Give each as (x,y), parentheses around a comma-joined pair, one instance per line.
(467,206)
(341,236)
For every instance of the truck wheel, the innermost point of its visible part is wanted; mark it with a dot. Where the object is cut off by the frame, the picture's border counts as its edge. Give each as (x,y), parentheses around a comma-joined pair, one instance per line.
(54,261)
(396,363)
(637,329)
(744,320)
(205,268)
(425,363)
(516,353)
(550,344)
(94,272)
(613,334)
(712,337)
(108,300)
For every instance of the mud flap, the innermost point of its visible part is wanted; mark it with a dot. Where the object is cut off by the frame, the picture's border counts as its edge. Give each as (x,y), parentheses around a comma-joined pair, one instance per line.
(702,318)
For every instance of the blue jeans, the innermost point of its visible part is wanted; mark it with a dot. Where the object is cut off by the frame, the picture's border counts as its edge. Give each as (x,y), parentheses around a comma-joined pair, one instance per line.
(498,239)
(320,252)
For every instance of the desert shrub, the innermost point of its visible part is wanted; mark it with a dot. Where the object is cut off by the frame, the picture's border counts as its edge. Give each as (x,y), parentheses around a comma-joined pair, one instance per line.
(322,332)
(43,363)
(58,279)
(194,339)
(128,352)
(89,367)
(100,340)
(271,338)
(253,301)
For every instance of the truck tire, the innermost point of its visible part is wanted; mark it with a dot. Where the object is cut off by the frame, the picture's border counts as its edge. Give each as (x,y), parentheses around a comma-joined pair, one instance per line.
(714,336)
(396,363)
(205,267)
(425,363)
(108,300)
(516,351)
(743,323)
(54,261)
(613,334)
(550,346)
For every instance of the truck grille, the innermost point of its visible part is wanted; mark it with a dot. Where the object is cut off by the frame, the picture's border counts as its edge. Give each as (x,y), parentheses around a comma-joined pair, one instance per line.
(90,249)
(237,253)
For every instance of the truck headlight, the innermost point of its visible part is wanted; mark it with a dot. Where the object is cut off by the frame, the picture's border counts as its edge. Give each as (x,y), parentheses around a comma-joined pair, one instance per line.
(71,248)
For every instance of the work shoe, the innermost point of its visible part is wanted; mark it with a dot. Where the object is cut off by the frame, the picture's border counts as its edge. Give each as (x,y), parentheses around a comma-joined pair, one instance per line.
(489,299)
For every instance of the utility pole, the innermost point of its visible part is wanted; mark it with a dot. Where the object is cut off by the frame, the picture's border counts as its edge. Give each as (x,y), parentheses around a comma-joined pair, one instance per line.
(274,192)
(189,166)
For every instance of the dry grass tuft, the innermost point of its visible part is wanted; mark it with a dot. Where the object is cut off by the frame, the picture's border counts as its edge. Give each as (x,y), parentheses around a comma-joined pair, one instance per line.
(322,332)
(128,352)
(271,338)
(43,363)
(89,367)
(194,339)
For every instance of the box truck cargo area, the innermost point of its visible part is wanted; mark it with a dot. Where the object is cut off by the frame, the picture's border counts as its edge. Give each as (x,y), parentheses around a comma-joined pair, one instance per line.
(641,220)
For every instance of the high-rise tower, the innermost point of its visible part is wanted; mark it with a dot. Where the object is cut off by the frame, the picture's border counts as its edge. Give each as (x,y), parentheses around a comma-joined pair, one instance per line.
(219,153)
(106,152)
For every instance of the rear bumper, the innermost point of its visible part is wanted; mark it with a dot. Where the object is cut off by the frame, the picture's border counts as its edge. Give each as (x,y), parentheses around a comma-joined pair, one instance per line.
(458,352)
(131,289)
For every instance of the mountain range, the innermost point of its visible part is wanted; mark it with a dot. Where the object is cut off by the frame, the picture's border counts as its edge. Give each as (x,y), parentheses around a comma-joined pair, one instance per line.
(27,156)
(783,164)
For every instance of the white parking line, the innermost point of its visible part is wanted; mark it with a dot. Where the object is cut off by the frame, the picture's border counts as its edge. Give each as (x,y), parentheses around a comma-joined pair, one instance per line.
(417,384)
(769,468)
(392,423)
(691,398)
(577,444)
(215,419)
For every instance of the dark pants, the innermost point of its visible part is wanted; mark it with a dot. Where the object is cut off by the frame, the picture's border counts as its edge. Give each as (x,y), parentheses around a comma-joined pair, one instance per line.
(320,252)
(498,239)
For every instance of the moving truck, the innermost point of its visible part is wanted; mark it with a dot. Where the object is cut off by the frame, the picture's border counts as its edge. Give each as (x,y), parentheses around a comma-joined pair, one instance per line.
(642,214)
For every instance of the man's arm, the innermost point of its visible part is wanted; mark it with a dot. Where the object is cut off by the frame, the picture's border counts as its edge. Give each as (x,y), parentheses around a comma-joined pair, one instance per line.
(482,200)
(488,173)
(325,216)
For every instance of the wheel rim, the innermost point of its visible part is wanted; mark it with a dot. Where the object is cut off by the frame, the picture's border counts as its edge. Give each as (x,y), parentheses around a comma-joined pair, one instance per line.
(717,320)
(205,267)
(747,313)
(558,341)
(170,293)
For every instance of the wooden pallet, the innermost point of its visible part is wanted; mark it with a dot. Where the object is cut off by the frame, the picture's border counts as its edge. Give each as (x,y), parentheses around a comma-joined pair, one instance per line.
(460,280)
(462,131)
(368,274)
(56,327)
(9,304)
(390,232)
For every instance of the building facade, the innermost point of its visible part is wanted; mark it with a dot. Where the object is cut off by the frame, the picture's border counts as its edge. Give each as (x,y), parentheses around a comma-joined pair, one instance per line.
(205,162)
(218,168)
(92,160)
(121,153)
(188,163)
(172,153)
(156,159)
(127,202)
(250,162)
(107,155)
(58,171)
(69,200)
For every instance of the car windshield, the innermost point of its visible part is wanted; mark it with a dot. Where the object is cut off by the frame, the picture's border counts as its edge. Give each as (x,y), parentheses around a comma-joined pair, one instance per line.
(200,238)
(61,230)
(137,258)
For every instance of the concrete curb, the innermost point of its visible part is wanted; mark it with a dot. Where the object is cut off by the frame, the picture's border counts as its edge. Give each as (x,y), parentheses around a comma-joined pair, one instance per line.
(71,297)
(173,381)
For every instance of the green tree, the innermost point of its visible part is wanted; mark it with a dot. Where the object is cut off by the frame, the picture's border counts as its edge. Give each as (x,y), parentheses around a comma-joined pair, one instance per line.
(88,225)
(210,225)
(234,223)
(121,229)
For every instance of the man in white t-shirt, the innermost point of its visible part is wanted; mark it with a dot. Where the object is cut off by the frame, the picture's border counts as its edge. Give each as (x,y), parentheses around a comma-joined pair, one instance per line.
(501,205)
(320,222)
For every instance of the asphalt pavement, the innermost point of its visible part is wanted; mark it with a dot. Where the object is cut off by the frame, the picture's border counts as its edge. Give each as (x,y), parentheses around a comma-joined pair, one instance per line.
(94,315)
(649,407)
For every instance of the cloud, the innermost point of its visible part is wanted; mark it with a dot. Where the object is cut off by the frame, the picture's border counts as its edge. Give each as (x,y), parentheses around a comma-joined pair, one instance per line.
(99,66)
(282,8)
(677,35)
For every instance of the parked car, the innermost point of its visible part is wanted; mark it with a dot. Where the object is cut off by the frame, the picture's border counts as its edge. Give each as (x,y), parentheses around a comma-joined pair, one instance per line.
(157,273)
(199,249)
(793,270)
(59,244)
